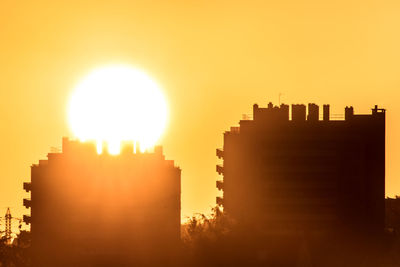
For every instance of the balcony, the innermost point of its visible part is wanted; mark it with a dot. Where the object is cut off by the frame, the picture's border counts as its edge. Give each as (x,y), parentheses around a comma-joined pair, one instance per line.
(27,219)
(220,169)
(27,203)
(220,153)
(220,201)
(27,187)
(220,185)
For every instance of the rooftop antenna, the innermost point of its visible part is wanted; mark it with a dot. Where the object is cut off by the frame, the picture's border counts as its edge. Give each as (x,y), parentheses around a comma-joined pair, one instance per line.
(279,101)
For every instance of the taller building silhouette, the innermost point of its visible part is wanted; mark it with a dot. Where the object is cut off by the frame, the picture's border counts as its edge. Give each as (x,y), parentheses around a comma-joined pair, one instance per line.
(90,209)
(300,172)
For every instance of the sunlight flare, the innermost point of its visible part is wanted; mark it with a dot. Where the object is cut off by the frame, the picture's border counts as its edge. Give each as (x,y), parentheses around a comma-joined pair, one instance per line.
(115,104)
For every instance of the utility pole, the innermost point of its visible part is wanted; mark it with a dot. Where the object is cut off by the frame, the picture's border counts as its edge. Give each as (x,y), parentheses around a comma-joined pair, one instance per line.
(8,226)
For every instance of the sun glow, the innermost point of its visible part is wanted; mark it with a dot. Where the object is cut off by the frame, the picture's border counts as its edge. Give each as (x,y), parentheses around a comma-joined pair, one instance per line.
(115,104)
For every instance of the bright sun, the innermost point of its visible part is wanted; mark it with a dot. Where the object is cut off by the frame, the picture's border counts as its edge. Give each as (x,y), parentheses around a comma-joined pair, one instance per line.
(115,104)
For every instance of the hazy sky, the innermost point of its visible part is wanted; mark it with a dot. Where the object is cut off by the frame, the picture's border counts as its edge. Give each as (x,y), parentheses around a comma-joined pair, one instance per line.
(214,60)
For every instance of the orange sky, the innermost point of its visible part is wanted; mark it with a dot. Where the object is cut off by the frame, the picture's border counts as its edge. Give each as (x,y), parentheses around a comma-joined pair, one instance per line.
(214,59)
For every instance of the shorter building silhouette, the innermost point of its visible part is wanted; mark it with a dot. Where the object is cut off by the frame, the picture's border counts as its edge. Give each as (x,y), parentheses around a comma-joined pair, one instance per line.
(90,209)
(297,171)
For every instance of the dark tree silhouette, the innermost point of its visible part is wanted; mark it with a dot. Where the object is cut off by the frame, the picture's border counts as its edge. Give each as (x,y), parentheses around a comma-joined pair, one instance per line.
(18,253)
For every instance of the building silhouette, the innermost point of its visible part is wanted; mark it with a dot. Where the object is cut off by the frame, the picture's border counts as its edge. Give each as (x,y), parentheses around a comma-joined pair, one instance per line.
(90,209)
(285,171)
(392,206)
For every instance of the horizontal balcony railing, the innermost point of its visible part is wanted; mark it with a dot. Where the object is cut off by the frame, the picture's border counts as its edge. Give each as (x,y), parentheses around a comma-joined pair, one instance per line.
(27,219)
(220,185)
(27,203)
(27,187)
(220,153)
(220,169)
(220,201)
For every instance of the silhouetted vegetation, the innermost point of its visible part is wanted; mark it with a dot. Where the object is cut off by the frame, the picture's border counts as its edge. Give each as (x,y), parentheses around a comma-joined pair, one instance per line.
(201,228)
(216,240)
(17,253)
(205,237)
